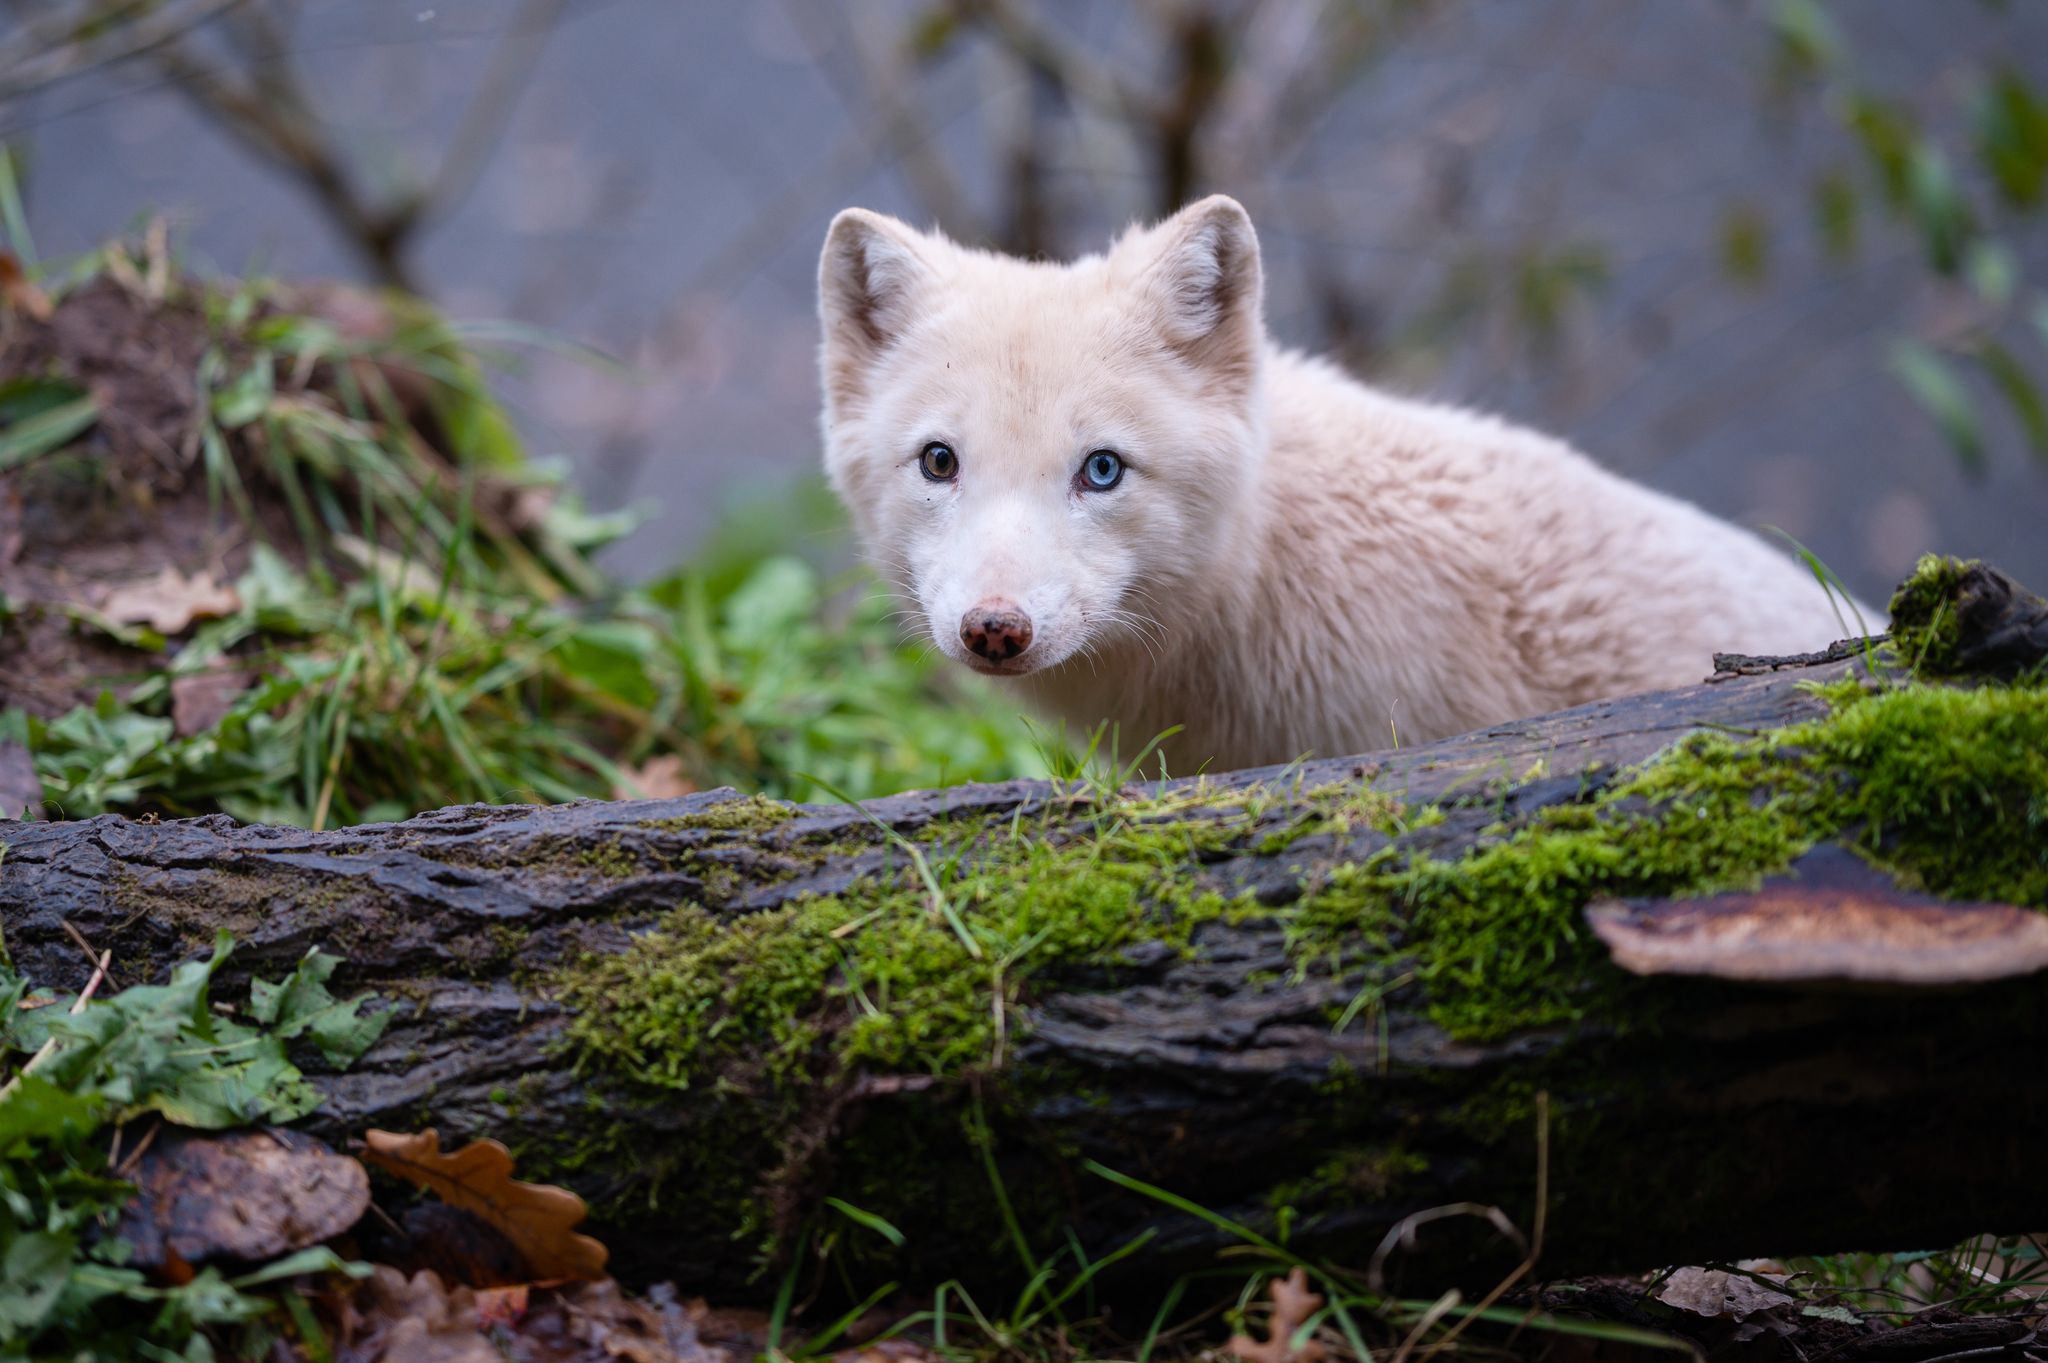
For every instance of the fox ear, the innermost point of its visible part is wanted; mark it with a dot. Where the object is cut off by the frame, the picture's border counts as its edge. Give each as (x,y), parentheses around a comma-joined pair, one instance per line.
(868,280)
(1205,285)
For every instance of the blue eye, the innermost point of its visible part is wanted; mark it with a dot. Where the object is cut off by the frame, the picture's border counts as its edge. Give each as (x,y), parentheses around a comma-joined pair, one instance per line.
(939,463)
(1102,470)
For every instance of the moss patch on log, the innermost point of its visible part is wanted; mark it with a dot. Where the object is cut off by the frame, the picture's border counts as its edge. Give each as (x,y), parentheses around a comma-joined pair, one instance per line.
(1946,788)
(1926,627)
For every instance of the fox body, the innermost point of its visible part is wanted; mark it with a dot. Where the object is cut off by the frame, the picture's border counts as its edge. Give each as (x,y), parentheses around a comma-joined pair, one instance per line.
(1103,482)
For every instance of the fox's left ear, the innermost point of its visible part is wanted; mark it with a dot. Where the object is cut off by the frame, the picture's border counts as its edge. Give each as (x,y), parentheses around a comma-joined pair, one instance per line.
(1205,285)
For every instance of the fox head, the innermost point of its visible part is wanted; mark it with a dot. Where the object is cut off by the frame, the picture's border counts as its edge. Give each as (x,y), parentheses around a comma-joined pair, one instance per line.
(1042,458)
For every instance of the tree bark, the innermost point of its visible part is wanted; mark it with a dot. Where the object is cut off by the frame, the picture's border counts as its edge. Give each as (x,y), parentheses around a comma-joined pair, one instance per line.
(1745,1120)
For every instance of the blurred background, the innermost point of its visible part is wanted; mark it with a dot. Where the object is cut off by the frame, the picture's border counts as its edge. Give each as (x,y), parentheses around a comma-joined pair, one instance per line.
(1780,258)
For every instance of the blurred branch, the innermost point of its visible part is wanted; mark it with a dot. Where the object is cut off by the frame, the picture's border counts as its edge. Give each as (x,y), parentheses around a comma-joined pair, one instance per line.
(1064,63)
(884,71)
(95,34)
(252,90)
(490,109)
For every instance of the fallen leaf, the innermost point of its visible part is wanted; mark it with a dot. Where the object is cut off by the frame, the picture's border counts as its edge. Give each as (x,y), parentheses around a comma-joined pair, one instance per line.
(169,602)
(658,778)
(20,788)
(19,293)
(248,1195)
(393,1318)
(199,699)
(500,1305)
(1715,1292)
(1293,1304)
(537,1218)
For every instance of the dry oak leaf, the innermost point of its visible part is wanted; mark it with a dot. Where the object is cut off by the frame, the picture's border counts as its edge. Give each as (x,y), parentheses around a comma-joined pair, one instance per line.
(536,1217)
(1293,1304)
(392,1318)
(170,601)
(199,700)
(18,292)
(658,778)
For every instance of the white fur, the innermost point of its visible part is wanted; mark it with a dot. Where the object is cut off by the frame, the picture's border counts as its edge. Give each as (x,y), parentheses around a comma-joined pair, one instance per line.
(1294,563)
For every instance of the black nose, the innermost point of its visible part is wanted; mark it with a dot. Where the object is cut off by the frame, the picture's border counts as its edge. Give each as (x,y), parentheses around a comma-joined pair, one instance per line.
(996,630)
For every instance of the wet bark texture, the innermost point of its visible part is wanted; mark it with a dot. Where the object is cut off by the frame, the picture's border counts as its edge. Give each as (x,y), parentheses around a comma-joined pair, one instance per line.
(1775,1119)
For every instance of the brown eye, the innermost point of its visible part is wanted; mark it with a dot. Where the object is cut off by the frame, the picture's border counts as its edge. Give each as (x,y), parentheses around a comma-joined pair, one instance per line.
(939,463)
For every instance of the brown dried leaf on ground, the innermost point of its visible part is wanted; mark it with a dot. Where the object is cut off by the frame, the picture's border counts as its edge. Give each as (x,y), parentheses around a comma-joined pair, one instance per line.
(199,699)
(18,293)
(658,778)
(20,787)
(1715,1292)
(395,1319)
(1293,1304)
(169,602)
(247,1195)
(538,1218)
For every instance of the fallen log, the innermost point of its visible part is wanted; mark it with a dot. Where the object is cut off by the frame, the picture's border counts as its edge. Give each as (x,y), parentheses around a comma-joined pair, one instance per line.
(1316,1000)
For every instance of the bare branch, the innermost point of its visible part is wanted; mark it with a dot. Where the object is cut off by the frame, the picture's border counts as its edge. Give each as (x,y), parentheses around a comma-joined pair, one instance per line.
(52,52)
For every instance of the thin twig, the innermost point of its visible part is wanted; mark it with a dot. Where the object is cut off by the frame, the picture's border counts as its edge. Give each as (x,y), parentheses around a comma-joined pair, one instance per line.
(47,54)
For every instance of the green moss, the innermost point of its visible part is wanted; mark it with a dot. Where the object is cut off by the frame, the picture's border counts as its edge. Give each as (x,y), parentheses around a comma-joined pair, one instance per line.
(610,859)
(1925,627)
(1948,788)
(752,812)
(899,977)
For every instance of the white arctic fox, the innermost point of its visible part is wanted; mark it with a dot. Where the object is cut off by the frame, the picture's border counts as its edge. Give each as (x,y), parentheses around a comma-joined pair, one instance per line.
(1104,481)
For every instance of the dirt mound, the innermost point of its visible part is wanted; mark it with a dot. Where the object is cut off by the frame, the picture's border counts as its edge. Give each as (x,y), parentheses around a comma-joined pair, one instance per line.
(95,522)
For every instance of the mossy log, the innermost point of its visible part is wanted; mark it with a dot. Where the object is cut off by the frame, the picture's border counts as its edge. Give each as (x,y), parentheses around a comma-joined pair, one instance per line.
(1315,1000)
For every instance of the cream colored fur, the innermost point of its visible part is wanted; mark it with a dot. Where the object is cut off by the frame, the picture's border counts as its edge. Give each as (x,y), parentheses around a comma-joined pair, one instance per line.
(1294,563)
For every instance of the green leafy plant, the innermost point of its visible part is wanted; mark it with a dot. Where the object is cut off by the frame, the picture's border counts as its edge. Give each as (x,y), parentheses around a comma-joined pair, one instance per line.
(94,1064)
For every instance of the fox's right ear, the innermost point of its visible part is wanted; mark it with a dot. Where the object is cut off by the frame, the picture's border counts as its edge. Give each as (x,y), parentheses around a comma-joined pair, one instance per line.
(868,280)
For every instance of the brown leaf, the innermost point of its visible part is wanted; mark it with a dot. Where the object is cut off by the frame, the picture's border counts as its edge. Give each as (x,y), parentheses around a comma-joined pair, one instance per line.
(500,1305)
(1714,1292)
(1832,918)
(658,778)
(1293,1304)
(536,1217)
(249,1195)
(199,699)
(18,293)
(20,788)
(170,601)
(393,1318)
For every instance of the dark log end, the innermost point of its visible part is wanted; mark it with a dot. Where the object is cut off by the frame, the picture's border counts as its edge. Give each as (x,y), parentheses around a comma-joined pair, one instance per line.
(1957,617)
